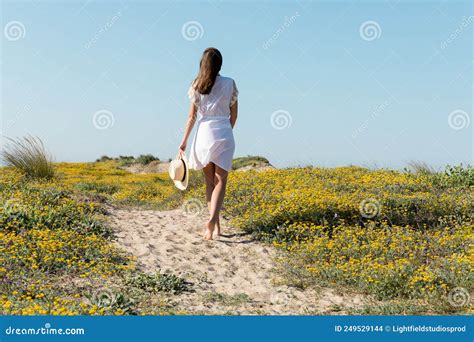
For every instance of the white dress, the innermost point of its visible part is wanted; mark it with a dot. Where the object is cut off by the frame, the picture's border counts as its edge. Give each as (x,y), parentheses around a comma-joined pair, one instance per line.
(214,139)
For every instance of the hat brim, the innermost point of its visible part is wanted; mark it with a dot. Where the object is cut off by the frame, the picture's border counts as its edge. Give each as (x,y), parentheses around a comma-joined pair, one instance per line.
(182,185)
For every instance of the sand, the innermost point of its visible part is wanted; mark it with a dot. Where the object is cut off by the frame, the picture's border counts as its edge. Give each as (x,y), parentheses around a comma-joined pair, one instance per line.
(152,167)
(233,274)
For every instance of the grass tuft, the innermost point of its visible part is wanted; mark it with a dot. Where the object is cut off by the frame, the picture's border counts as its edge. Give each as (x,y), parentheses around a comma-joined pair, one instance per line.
(29,156)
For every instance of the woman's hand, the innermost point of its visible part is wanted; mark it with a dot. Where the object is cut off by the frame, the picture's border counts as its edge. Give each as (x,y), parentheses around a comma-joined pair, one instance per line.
(182,148)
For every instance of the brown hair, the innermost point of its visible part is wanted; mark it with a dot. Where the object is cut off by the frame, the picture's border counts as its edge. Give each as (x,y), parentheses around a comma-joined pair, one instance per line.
(209,68)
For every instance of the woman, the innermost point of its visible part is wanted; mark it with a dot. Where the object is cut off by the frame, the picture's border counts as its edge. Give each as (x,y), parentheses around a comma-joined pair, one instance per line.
(214,98)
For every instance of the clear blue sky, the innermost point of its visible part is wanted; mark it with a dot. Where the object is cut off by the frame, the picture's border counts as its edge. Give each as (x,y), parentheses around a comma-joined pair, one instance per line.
(352,97)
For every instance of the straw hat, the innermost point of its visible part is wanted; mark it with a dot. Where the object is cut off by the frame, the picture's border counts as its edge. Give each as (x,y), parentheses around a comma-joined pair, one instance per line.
(179,172)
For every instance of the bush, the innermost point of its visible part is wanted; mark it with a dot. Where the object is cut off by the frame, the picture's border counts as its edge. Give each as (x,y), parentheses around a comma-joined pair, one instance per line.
(387,261)
(112,301)
(49,240)
(159,282)
(35,264)
(122,187)
(28,205)
(421,168)
(126,160)
(458,176)
(145,159)
(452,176)
(98,187)
(400,235)
(238,163)
(29,156)
(103,159)
(261,202)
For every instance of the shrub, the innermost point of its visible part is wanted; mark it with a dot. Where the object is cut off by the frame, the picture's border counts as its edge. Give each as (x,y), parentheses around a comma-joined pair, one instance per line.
(25,207)
(50,240)
(103,159)
(59,252)
(28,155)
(263,201)
(145,159)
(388,261)
(112,301)
(126,160)
(98,187)
(123,187)
(238,299)
(35,263)
(388,233)
(421,168)
(456,176)
(159,282)
(240,162)
(452,176)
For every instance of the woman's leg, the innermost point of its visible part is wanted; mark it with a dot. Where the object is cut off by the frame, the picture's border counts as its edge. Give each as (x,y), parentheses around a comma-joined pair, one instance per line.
(209,176)
(217,198)
(209,171)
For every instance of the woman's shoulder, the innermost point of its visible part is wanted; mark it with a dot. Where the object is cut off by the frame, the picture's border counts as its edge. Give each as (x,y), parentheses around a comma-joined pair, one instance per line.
(226,79)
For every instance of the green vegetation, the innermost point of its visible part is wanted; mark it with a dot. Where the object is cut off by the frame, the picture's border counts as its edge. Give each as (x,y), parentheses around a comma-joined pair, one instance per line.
(29,156)
(227,300)
(143,159)
(97,187)
(390,234)
(402,237)
(157,282)
(240,162)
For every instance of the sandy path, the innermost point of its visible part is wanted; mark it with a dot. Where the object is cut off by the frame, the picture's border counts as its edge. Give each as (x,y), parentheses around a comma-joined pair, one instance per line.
(232,274)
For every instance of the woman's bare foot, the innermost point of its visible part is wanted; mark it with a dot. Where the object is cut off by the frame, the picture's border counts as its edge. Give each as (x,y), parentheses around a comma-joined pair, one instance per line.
(209,230)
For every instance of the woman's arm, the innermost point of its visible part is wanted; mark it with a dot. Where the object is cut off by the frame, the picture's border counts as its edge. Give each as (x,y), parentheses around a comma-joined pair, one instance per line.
(233,113)
(189,127)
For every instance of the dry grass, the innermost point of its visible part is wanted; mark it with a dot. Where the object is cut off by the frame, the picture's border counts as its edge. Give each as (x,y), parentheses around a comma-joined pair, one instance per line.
(28,155)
